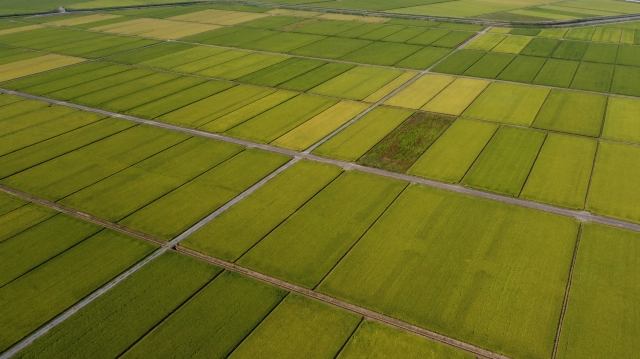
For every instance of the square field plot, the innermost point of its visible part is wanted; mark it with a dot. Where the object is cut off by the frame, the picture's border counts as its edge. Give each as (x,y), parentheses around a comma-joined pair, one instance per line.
(450,157)
(615,191)
(572,112)
(508,103)
(622,122)
(562,171)
(505,164)
(626,81)
(602,319)
(490,65)
(432,260)
(522,69)
(540,47)
(558,73)
(593,77)
(570,50)
(602,53)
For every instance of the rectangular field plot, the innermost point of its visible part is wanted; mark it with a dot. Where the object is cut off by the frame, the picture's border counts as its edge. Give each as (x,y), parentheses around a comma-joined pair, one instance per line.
(219,17)
(281,119)
(201,328)
(432,260)
(242,66)
(299,327)
(522,69)
(150,53)
(66,174)
(490,65)
(355,140)
(601,318)
(375,340)
(228,237)
(127,312)
(321,125)
(456,97)
(424,58)
(572,112)
(385,90)
(570,50)
(33,119)
(451,156)
(131,189)
(621,121)
(404,145)
(602,53)
(38,244)
(614,192)
(504,165)
(561,173)
(626,81)
(193,59)
(316,77)
(512,44)
(22,218)
(230,36)
(485,42)
(35,65)
(508,103)
(9,203)
(83,20)
(281,72)
(283,42)
(558,73)
(628,55)
(43,293)
(156,28)
(593,77)
(357,83)
(201,196)
(339,214)
(458,62)
(420,92)
(382,53)
(331,48)
(428,37)
(540,47)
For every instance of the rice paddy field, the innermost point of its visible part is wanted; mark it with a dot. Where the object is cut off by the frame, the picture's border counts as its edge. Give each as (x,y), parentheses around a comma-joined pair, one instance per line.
(221,180)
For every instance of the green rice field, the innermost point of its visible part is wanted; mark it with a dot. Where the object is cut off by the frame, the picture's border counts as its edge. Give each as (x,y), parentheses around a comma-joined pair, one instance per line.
(319,179)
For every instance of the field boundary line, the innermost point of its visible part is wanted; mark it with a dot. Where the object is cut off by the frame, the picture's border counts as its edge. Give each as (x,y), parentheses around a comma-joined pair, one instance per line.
(366,313)
(566,293)
(583,216)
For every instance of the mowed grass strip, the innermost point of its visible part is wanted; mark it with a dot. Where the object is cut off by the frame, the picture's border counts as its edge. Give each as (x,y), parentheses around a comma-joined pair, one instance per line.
(281,119)
(456,97)
(420,92)
(450,157)
(357,83)
(572,112)
(320,126)
(621,121)
(125,192)
(445,261)
(508,103)
(38,244)
(505,163)
(404,145)
(43,293)
(562,171)
(614,192)
(67,174)
(299,327)
(228,236)
(376,340)
(213,322)
(304,248)
(116,320)
(188,204)
(601,316)
(355,140)
(23,218)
